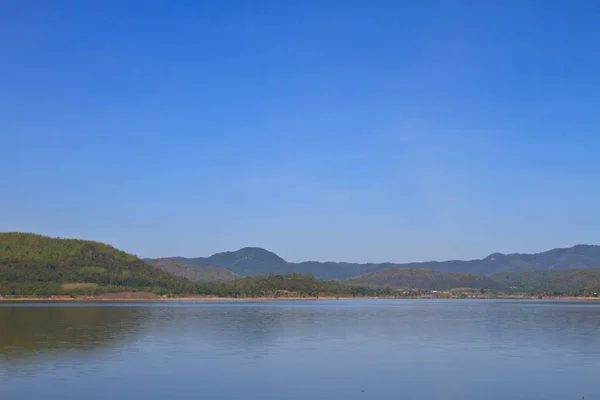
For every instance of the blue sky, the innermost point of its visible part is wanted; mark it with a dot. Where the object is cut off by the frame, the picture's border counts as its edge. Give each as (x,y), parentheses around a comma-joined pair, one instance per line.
(324,130)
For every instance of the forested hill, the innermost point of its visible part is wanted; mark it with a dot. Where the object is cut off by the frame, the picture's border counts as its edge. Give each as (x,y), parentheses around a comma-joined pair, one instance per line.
(553,281)
(252,261)
(565,281)
(421,278)
(39,265)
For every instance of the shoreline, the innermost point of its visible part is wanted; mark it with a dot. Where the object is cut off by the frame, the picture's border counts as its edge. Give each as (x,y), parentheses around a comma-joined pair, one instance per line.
(146,297)
(171,299)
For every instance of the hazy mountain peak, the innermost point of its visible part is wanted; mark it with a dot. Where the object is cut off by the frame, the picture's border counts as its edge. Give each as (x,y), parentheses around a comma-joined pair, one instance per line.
(251,253)
(494,257)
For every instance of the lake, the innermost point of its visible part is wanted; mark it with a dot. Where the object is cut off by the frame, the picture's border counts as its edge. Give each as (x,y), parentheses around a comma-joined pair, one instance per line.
(355,349)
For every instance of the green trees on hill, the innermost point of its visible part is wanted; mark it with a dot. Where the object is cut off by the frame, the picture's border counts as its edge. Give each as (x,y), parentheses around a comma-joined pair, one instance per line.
(39,265)
(421,278)
(556,282)
(285,286)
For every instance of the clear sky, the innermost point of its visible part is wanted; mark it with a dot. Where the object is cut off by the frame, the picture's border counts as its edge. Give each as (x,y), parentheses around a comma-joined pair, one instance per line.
(323,130)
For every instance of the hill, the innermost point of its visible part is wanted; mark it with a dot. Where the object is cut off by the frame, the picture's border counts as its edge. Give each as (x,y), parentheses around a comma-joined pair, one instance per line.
(553,281)
(39,265)
(252,261)
(195,273)
(419,278)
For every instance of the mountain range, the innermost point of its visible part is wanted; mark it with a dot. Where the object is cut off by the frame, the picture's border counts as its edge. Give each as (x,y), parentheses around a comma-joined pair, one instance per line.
(251,261)
(38,265)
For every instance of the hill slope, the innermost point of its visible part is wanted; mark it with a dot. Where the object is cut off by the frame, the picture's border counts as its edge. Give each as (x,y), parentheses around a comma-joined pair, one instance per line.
(419,278)
(196,273)
(40,265)
(256,261)
(564,281)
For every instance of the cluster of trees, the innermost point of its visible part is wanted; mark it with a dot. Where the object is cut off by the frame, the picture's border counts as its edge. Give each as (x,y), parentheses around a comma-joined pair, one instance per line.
(426,279)
(289,285)
(560,282)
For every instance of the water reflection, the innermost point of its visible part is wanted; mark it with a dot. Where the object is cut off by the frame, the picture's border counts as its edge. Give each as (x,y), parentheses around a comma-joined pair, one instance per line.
(282,349)
(31,336)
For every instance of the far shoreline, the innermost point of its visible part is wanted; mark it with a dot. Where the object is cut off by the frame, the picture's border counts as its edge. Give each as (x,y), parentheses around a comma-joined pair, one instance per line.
(150,297)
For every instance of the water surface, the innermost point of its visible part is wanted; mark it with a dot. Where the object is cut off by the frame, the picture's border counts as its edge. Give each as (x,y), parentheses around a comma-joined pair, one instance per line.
(357,349)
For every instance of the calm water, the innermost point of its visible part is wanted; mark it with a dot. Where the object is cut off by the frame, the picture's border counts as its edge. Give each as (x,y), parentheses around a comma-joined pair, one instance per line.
(363,349)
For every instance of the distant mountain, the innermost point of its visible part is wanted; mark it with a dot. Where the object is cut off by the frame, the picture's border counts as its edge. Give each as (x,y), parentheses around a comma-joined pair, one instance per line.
(196,273)
(421,278)
(249,261)
(252,261)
